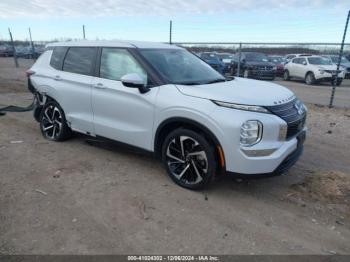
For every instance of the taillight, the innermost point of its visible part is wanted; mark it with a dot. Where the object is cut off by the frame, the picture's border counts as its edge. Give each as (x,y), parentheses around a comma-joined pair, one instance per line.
(29,73)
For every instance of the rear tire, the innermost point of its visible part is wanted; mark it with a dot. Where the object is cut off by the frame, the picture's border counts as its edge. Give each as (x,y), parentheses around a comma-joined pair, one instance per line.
(286,76)
(53,124)
(310,78)
(189,159)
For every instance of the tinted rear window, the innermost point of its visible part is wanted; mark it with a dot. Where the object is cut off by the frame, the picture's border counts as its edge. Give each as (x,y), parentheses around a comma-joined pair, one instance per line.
(79,60)
(57,57)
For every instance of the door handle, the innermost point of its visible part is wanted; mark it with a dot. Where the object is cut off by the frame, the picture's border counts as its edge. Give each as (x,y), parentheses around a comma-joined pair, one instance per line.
(100,86)
(57,78)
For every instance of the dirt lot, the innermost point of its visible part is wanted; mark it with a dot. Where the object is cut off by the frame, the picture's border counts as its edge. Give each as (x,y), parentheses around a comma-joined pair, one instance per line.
(98,198)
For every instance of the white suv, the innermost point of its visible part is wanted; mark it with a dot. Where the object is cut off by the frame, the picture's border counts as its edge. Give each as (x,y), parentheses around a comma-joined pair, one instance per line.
(164,99)
(312,69)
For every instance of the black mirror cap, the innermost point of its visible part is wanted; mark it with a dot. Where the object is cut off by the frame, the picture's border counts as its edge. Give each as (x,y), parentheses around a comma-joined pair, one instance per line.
(142,88)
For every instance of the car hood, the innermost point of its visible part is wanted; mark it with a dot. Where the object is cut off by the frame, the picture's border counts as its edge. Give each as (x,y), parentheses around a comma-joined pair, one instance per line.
(240,91)
(213,62)
(347,65)
(326,67)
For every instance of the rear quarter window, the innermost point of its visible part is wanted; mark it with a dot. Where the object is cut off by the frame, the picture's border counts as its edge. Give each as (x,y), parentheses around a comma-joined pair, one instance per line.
(80,60)
(57,57)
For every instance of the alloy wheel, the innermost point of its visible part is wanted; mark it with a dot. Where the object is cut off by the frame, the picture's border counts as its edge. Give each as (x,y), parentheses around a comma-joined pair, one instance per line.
(52,122)
(309,79)
(187,160)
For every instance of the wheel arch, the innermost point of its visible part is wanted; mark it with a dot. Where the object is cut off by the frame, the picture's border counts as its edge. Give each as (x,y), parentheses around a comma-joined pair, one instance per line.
(308,72)
(170,124)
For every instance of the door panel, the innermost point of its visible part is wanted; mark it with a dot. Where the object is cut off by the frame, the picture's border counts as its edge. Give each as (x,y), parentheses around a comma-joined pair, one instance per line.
(75,82)
(303,68)
(122,113)
(119,112)
(293,68)
(75,99)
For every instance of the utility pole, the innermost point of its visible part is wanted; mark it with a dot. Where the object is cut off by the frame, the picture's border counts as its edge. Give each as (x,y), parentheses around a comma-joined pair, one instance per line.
(13,48)
(84,32)
(170,31)
(239,59)
(335,80)
(31,44)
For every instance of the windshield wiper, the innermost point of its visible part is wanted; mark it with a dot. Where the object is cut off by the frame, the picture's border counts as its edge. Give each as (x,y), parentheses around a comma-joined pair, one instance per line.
(187,83)
(217,81)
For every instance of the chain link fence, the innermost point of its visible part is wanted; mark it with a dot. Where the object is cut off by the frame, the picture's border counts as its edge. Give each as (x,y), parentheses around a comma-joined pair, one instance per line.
(317,93)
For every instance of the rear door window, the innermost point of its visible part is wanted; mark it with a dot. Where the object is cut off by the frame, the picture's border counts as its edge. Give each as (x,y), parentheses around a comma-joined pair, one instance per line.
(80,60)
(57,57)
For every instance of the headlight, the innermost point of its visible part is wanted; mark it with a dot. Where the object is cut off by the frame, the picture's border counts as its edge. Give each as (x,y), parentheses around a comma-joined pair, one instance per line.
(321,71)
(259,109)
(251,132)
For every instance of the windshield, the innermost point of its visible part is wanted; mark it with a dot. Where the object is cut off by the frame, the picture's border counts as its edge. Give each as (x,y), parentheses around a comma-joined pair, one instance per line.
(319,61)
(276,59)
(256,57)
(336,58)
(225,56)
(210,57)
(179,66)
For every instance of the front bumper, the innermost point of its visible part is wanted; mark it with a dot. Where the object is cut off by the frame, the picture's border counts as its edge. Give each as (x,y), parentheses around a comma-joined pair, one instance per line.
(326,77)
(284,166)
(263,157)
(262,74)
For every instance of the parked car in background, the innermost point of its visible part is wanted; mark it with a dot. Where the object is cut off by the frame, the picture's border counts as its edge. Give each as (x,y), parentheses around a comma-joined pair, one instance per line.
(24,51)
(344,63)
(289,57)
(6,50)
(312,69)
(214,61)
(255,65)
(347,56)
(279,62)
(228,60)
(29,52)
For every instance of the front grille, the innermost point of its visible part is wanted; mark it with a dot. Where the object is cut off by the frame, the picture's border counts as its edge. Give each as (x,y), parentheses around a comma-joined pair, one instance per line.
(289,113)
(333,72)
(264,68)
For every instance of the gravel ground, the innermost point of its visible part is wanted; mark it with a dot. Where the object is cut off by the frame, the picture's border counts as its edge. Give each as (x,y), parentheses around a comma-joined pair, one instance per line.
(83,197)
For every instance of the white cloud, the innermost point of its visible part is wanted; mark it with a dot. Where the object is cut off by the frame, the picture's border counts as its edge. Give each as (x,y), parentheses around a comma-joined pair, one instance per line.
(76,8)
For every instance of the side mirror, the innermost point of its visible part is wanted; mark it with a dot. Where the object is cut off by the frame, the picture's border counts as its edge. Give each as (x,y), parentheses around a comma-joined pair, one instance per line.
(135,81)
(304,63)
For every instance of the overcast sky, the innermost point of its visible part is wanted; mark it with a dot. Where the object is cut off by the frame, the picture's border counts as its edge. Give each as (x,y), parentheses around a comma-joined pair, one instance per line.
(194,20)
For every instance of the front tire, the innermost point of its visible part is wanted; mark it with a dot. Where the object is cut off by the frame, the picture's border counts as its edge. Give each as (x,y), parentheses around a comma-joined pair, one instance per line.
(189,159)
(310,78)
(53,124)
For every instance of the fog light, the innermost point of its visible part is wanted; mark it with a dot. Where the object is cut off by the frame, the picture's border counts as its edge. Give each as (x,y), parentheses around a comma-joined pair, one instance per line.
(251,132)
(283,132)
